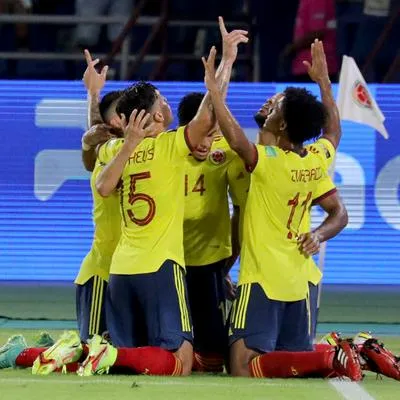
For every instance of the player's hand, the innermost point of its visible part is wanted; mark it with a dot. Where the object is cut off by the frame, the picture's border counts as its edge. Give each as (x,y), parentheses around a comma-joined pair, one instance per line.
(318,70)
(309,243)
(230,288)
(209,70)
(97,134)
(231,41)
(135,129)
(93,80)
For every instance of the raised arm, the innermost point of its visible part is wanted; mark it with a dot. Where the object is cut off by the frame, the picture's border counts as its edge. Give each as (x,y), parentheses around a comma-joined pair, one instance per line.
(333,224)
(230,128)
(318,72)
(204,120)
(108,179)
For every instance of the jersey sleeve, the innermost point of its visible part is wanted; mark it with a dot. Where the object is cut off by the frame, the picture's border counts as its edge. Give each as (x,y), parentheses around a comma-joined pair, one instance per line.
(238,181)
(109,150)
(325,188)
(175,143)
(326,150)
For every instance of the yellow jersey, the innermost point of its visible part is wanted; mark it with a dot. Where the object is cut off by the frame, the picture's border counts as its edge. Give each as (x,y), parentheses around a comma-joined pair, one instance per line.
(207,225)
(152,202)
(107,231)
(283,186)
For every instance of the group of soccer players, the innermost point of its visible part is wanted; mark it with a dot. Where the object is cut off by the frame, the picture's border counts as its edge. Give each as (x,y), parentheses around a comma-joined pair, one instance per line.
(157,275)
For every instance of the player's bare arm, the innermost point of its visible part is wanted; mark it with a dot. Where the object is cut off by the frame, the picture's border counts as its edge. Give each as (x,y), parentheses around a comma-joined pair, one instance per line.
(318,72)
(230,128)
(333,224)
(135,132)
(94,82)
(204,120)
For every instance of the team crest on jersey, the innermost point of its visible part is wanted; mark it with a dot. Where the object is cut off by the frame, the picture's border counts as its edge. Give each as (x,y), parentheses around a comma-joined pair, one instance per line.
(217,156)
(361,95)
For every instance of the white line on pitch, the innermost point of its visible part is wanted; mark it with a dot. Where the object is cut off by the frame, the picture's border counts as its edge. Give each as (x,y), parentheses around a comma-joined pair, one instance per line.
(350,390)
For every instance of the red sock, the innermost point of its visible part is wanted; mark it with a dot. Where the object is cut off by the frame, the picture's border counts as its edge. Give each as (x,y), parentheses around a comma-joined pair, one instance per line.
(149,361)
(208,362)
(28,356)
(285,364)
(323,347)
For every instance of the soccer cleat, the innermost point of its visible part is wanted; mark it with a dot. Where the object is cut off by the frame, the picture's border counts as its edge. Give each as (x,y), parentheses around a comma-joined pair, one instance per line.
(66,350)
(11,350)
(102,355)
(380,360)
(346,362)
(44,340)
(332,338)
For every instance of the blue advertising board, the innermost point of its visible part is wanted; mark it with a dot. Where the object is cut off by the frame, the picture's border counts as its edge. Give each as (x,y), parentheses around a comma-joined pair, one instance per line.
(45,201)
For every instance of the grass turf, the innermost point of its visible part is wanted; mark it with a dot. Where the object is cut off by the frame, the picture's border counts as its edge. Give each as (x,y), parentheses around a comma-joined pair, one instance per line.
(20,384)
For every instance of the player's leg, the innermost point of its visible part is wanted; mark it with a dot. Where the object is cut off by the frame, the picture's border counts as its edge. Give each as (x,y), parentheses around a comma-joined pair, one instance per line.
(254,325)
(294,356)
(164,301)
(90,307)
(121,310)
(313,296)
(208,310)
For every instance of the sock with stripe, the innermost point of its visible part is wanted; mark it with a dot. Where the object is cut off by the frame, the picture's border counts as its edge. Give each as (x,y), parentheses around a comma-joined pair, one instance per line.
(285,364)
(207,362)
(149,361)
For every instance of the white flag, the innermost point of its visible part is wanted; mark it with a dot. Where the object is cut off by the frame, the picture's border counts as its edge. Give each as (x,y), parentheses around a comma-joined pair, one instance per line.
(354,100)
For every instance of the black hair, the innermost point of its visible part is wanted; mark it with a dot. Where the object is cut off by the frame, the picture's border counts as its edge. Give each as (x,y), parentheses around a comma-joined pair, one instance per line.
(304,115)
(188,107)
(107,101)
(140,96)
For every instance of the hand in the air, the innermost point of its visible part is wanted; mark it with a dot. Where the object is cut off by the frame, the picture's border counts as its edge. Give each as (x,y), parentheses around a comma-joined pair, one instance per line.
(231,41)
(209,70)
(93,80)
(318,69)
(309,243)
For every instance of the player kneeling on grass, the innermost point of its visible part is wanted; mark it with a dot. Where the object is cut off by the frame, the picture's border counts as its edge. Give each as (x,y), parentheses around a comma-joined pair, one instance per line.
(271,309)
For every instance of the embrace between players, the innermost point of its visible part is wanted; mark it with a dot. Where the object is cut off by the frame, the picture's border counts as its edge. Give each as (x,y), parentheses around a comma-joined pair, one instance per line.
(157,275)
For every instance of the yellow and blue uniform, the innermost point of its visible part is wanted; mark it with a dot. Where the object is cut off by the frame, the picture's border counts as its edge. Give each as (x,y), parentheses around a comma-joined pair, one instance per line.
(147,286)
(274,274)
(91,282)
(207,244)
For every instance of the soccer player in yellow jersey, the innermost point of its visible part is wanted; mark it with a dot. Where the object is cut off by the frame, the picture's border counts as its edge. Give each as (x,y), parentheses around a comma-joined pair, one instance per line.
(207,239)
(271,309)
(91,282)
(147,290)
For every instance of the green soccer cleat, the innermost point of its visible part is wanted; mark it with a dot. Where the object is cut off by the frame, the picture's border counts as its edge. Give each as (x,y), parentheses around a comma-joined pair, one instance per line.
(102,355)
(11,350)
(44,340)
(66,350)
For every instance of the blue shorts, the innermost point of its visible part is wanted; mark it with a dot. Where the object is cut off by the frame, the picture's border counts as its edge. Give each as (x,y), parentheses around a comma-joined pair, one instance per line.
(269,325)
(207,303)
(149,309)
(90,307)
(313,290)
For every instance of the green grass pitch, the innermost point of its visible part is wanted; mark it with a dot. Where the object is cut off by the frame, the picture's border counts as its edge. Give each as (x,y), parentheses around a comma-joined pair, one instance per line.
(21,385)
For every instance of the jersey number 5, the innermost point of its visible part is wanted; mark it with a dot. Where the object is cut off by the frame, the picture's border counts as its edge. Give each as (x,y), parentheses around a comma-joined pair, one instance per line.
(293,203)
(133,197)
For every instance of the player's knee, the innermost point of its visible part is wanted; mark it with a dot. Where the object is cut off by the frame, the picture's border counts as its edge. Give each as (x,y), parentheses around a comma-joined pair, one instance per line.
(185,355)
(240,357)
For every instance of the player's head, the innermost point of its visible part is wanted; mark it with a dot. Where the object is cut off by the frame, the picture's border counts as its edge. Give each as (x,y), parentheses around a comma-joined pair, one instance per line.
(296,114)
(145,96)
(187,110)
(261,115)
(107,107)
